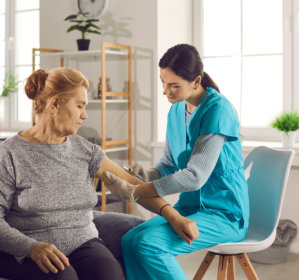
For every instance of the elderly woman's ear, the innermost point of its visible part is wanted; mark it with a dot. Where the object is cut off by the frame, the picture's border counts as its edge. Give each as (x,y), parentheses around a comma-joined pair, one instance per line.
(54,105)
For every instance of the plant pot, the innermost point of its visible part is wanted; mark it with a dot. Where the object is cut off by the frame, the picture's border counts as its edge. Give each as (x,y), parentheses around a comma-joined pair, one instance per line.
(83,44)
(288,140)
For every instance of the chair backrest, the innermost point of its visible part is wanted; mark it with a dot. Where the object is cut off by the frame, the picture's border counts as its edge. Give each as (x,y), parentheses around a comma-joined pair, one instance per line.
(267,172)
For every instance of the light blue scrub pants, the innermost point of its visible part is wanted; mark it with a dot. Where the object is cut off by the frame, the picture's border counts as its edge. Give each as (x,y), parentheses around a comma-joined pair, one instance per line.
(149,249)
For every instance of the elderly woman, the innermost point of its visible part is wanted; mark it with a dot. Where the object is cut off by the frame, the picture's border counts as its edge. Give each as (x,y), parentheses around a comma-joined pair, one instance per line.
(47,227)
(46,195)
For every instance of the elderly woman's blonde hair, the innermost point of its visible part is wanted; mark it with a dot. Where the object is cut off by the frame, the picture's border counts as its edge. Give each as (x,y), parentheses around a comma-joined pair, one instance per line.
(61,82)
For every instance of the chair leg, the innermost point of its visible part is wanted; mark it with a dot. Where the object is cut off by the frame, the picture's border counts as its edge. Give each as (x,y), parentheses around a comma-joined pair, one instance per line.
(247,266)
(231,268)
(204,266)
(222,267)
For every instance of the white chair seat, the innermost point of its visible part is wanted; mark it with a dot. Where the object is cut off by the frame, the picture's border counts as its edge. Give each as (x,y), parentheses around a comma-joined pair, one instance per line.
(253,242)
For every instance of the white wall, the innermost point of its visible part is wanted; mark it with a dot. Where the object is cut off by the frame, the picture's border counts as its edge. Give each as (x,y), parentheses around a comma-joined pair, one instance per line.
(174,27)
(137,21)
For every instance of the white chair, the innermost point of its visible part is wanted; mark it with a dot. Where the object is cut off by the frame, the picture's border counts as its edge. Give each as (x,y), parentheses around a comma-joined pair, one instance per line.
(267,172)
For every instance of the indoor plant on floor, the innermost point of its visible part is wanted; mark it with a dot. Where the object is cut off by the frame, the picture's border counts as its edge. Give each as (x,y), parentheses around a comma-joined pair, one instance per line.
(84,25)
(10,85)
(288,124)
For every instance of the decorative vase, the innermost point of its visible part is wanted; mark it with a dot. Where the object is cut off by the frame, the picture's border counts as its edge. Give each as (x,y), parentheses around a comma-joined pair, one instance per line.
(83,44)
(288,140)
(108,88)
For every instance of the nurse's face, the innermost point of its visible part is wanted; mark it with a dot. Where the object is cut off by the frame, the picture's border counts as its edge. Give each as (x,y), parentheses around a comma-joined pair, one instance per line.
(175,87)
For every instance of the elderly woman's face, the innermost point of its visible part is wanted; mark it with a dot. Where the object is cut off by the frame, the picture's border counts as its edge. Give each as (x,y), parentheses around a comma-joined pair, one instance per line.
(72,113)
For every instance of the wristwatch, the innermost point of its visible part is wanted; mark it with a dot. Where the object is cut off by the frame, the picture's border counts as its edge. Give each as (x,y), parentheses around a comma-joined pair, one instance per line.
(94,8)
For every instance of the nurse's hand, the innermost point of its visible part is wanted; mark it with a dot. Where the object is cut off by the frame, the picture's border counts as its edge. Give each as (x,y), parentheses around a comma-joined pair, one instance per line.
(120,188)
(185,228)
(138,171)
(146,176)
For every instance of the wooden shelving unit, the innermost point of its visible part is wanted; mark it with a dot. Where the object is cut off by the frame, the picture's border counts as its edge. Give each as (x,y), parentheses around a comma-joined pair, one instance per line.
(112,145)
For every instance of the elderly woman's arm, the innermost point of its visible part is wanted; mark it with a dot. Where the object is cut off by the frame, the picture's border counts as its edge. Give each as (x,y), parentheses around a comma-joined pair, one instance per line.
(183,226)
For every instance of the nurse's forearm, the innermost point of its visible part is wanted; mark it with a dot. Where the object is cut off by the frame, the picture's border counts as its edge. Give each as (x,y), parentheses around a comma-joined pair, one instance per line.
(152,204)
(156,204)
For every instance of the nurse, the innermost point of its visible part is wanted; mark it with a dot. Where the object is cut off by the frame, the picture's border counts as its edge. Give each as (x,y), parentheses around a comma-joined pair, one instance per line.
(202,161)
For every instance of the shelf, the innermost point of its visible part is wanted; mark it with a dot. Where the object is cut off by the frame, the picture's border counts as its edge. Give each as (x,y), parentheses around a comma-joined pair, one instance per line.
(111,101)
(116,149)
(77,54)
(100,193)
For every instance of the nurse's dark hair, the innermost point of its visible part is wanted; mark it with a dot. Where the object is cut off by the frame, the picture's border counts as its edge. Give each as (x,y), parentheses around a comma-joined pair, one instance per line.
(184,61)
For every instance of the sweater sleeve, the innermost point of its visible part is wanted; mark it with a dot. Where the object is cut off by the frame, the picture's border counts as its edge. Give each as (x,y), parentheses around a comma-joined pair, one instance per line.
(97,155)
(166,165)
(200,166)
(12,241)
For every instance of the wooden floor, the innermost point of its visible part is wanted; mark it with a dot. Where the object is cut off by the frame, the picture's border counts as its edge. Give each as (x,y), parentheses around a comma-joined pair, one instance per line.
(284,271)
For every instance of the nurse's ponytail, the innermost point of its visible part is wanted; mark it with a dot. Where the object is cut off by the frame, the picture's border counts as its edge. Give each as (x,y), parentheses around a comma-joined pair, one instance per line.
(207,81)
(184,61)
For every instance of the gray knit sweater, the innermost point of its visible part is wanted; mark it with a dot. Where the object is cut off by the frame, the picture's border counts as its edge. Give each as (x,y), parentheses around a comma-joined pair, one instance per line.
(46,194)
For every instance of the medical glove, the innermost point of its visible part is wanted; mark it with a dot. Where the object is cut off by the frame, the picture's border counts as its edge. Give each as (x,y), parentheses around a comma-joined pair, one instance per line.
(120,188)
(148,176)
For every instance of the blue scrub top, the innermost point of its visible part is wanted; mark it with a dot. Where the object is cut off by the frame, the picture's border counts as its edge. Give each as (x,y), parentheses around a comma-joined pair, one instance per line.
(226,190)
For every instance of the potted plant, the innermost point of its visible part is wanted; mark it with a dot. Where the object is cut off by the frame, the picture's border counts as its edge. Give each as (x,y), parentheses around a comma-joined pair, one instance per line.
(10,84)
(84,25)
(287,123)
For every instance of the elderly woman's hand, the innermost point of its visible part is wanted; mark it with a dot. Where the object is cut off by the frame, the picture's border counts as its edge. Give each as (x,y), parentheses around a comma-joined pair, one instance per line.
(120,188)
(48,257)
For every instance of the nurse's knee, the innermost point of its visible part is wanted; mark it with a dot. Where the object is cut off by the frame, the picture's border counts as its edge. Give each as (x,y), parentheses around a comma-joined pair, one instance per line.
(144,245)
(144,242)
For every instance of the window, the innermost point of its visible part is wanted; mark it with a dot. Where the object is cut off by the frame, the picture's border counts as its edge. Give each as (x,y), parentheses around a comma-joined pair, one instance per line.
(243,50)
(19,33)
(2,54)
(249,48)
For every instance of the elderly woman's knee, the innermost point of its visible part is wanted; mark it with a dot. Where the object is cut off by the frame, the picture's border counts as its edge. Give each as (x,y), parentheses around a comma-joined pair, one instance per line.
(113,226)
(120,222)
(69,273)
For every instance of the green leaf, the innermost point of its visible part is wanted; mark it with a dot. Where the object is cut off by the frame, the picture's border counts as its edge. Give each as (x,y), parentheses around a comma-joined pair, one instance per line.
(83,14)
(92,20)
(75,27)
(95,26)
(94,31)
(70,17)
(77,20)
(10,85)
